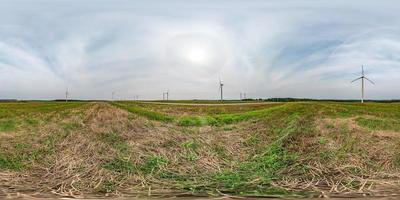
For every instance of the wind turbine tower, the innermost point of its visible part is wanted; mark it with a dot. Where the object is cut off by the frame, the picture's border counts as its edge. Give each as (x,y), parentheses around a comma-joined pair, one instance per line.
(165,95)
(66,95)
(362,77)
(221,85)
(112,95)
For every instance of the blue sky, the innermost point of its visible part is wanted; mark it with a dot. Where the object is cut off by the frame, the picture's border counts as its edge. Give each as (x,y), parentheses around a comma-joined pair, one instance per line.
(267,49)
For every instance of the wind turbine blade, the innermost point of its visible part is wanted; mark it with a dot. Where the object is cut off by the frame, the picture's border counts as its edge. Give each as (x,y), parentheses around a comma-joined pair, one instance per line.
(356,79)
(369,80)
(362,69)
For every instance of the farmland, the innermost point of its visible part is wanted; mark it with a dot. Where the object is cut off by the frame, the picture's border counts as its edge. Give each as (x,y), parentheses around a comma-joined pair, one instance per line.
(298,149)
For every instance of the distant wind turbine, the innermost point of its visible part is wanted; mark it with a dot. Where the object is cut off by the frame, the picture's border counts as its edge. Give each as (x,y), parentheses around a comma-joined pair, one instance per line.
(66,95)
(165,94)
(112,95)
(221,85)
(362,77)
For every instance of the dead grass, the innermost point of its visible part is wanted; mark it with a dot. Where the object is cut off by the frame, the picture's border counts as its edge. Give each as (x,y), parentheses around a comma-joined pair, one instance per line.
(347,159)
(98,149)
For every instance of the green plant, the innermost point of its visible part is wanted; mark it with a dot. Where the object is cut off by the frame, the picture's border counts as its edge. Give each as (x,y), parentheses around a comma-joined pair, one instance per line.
(153,163)
(8,125)
(120,165)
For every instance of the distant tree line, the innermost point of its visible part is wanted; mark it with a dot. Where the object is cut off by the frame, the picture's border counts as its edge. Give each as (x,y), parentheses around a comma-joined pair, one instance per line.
(306,99)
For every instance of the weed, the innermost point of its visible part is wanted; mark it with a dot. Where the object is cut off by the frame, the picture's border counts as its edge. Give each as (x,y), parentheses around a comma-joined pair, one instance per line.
(107,186)
(153,163)
(116,141)
(219,149)
(322,141)
(190,144)
(252,140)
(120,165)
(143,112)
(32,122)
(379,124)
(70,126)
(191,156)
(8,125)
(190,121)
(10,162)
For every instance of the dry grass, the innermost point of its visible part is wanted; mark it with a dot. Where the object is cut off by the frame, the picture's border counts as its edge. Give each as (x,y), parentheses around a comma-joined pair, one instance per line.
(348,160)
(98,149)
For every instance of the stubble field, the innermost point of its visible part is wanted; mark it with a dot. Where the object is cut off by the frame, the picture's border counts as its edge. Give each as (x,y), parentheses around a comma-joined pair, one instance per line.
(303,149)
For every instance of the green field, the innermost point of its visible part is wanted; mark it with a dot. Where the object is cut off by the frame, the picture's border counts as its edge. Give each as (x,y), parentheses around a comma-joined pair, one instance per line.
(297,149)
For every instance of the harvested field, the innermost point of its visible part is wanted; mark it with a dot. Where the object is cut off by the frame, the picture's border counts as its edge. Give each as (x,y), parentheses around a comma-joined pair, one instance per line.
(102,149)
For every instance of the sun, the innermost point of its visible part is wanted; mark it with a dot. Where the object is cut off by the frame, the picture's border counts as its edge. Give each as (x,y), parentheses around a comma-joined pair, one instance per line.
(197,55)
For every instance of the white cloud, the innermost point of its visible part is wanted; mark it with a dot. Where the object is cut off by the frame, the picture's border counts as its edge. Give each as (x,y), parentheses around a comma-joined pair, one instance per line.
(267,49)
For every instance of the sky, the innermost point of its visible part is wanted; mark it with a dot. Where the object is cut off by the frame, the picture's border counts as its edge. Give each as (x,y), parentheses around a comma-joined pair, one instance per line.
(285,48)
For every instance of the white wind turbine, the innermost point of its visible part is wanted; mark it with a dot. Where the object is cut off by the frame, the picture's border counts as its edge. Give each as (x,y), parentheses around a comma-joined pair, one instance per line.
(362,77)
(112,95)
(66,95)
(221,85)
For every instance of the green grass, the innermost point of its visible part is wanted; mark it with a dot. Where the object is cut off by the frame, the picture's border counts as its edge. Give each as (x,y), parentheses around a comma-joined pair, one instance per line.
(190,144)
(153,163)
(145,113)
(116,141)
(214,120)
(8,125)
(10,162)
(120,165)
(379,124)
(21,156)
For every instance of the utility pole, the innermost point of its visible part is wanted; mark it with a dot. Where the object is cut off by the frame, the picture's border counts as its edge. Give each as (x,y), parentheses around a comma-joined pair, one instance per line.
(241,96)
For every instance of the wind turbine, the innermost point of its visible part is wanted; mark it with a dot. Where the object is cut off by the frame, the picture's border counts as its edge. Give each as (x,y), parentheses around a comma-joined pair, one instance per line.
(362,77)
(165,94)
(66,95)
(221,85)
(112,95)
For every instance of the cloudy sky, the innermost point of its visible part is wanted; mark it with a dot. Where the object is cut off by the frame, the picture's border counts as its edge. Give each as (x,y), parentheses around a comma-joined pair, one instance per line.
(302,48)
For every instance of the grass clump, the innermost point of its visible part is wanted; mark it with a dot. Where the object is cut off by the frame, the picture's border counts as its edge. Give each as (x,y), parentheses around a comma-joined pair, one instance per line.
(8,125)
(379,124)
(190,144)
(116,141)
(191,121)
(32,122)
(70,126)
(145,113)
(153,163)
(108,186)
(190,147)
(120,165)
(10,162)
(260,170)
